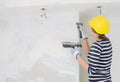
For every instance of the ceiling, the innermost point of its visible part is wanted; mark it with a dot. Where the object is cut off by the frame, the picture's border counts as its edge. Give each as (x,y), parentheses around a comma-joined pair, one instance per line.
(32,7)
(14,3)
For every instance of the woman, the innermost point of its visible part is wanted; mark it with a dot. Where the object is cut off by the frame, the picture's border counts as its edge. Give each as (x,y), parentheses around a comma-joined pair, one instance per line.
(99,54)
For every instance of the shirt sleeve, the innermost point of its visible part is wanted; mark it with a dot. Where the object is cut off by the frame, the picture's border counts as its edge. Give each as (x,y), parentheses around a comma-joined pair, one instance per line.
(94,56)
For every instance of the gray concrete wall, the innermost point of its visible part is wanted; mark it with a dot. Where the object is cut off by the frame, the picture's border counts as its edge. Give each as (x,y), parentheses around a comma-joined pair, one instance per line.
(31,48)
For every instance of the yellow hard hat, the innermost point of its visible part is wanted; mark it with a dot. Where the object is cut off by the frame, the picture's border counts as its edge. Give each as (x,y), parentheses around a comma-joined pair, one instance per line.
(100,24)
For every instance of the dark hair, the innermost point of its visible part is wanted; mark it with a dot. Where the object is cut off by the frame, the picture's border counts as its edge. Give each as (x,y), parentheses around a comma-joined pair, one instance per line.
(101,36)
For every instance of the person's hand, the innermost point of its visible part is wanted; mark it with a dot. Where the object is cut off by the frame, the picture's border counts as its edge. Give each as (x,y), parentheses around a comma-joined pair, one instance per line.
(82,32)
(75,52)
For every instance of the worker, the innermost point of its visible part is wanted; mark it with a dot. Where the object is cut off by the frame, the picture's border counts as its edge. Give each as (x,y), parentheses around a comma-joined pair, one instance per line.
(99,55)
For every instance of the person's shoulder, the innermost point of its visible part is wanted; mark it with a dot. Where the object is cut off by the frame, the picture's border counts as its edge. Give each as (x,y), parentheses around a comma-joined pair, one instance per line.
(101,42)
(96,43)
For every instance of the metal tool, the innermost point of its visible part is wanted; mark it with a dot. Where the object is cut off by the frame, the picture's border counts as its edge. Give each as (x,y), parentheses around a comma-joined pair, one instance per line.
(71,44)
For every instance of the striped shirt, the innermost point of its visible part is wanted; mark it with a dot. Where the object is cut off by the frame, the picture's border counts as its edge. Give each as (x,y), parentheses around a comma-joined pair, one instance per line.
(99,58)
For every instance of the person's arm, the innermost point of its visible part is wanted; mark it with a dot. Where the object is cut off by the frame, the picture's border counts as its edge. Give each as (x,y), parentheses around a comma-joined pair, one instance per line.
(83,37)
(76,54)
(82,63)
(86,46)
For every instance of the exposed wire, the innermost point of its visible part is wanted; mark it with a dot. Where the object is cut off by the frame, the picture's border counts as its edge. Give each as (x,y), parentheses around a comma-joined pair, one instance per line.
(100,9)
(43,15)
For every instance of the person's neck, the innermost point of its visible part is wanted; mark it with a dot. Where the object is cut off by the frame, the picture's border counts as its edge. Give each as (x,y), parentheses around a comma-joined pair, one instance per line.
(97,39)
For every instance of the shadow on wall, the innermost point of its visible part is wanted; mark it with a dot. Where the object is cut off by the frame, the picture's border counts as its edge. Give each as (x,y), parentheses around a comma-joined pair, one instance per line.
(44,69)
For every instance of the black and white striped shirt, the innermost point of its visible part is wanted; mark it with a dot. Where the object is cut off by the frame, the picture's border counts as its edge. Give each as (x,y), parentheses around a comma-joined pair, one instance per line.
(100,57)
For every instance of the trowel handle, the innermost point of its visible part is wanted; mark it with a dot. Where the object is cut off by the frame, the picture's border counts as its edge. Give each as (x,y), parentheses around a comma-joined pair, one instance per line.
(78,26)
(80,34)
